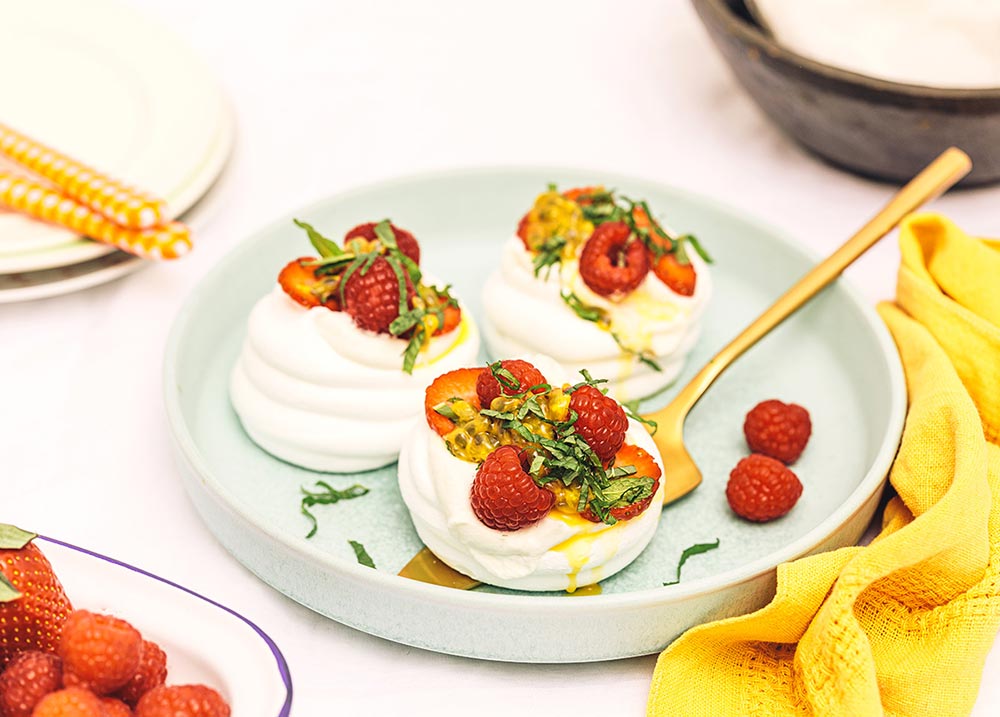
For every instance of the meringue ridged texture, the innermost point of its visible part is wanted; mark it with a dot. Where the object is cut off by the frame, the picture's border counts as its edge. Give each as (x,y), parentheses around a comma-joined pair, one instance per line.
(559,552)
(525,314)
(313,389)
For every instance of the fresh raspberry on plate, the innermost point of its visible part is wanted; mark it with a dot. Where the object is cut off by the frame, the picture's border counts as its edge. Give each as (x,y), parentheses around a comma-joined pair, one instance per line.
(779,430)
(406,242)
(613,261)
(525,376)
(762,489)
(601,422)
(372,298)
(460,384)
(680,278)
(70,702)
(99,652)
(152,672)
(182,701)
(504,497)
(645,467)
(28,678)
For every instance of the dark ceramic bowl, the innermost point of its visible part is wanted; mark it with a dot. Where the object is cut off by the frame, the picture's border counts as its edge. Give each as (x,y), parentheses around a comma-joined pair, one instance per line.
(880,129)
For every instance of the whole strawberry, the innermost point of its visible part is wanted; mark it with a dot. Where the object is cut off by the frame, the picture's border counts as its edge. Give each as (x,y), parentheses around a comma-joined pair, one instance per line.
(504,497)
(33,604)
(762,489)
(613,261)
(601,422)
(778,430)
(372,297)
(28,678)
(70,702)
(182,701)
(99,652)
(518,377)
(152,673)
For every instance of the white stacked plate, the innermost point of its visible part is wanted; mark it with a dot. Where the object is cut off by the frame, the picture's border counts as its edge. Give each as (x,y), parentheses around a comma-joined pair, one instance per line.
(111,87)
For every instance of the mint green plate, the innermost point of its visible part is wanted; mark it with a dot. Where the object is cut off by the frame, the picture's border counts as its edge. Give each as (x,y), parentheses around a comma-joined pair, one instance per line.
(835,357)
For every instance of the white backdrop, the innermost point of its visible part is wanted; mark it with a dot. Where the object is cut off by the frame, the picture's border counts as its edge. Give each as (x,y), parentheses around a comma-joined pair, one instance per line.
(333,94)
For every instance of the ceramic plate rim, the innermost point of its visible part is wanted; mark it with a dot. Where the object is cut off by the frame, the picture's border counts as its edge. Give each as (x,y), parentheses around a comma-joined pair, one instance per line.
(282,664)
(179,199)
(867,486)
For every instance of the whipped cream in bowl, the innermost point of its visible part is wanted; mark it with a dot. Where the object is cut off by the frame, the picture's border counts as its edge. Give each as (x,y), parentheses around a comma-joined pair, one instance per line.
(638,339)
(561,551)
(315,389)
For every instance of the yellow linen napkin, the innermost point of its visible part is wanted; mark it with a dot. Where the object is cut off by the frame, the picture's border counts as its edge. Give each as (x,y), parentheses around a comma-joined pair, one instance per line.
(902,626)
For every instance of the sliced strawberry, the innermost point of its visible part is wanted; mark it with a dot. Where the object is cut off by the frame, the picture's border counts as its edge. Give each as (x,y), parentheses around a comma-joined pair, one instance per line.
(299,281)
(452,318)
(681,278)
(460,383)
(575,193)
(522,231)
(645,467)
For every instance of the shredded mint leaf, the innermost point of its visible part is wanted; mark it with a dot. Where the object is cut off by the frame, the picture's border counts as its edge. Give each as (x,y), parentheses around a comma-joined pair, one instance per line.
(587,313)
(696,245)
(13,538)
(383,230)
(361,554)
(696,549)
(413,349)
(447,411)
(327,496)
(626,491)
(632,411)
(504,377)
(325,247)
(639,355)
(8,593)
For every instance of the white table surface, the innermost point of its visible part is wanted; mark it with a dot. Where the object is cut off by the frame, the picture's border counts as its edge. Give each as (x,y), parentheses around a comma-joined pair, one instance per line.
(333,94)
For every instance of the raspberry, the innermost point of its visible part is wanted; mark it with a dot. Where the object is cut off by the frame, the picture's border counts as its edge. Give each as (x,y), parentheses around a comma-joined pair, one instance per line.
(526,375)
(99,652)
(681,278)
(28,678)
(460,383)
(70,702)
(406,242)
(778,430)
(601,422)
(182,701)
(762,489)
(372,298)
(612,264)
(152,673)
(645,467)
(112,707)
(504,497)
